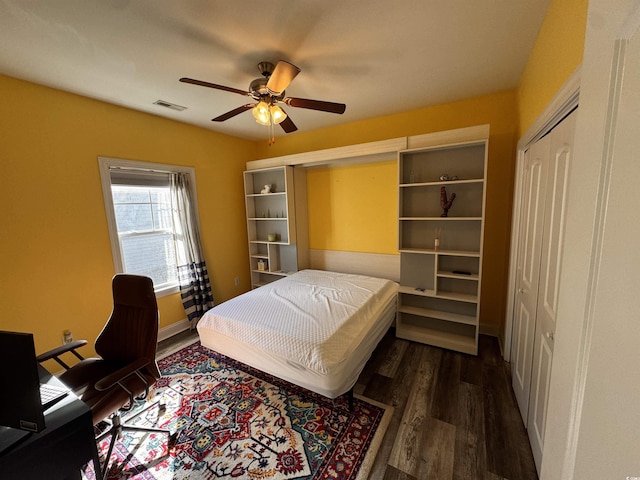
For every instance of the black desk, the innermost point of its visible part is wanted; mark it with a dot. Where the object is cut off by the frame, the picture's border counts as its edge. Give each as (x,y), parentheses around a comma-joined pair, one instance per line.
(60,450)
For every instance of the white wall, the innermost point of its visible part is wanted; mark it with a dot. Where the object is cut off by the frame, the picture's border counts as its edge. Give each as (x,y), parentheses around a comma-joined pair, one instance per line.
(593,423)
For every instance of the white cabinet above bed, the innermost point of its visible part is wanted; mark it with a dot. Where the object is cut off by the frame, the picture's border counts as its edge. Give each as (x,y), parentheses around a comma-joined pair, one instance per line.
(441,254)
(274,235)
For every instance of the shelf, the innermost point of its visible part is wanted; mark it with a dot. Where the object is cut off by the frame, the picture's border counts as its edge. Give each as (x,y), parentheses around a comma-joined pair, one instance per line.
(266,242)
(453,253)
(460,297)
(414,291)
(267,218)
(450,317)
(459,276)
(267,272)
(446,312)
(444,219)
(272,194)
(452,341)
(440,183)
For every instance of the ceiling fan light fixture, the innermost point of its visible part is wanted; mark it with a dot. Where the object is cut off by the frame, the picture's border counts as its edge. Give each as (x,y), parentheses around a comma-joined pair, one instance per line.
(277,114)
(266,114)
(261,113)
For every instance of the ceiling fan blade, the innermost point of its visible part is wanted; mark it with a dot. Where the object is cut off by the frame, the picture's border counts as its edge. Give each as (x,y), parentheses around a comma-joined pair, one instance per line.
(233,113)
(287,125)
(214,85)
(330,107)
(281,77)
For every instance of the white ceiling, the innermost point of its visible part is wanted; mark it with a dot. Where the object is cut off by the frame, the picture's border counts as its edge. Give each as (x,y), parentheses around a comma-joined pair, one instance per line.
(379,57)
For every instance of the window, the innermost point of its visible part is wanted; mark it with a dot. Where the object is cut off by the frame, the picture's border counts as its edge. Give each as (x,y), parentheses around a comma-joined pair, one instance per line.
(144,239)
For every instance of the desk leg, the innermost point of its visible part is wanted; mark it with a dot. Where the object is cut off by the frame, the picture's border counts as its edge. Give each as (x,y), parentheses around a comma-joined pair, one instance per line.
(96,464)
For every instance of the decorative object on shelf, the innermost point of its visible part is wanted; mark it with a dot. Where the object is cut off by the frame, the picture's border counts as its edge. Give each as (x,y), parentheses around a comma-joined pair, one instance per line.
(271,237)
(262,265)
(266,189)
(447,178)
(444,202)
(436,241)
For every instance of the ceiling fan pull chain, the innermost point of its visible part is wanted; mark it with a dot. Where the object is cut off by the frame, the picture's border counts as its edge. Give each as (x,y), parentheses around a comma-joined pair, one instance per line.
(272,136)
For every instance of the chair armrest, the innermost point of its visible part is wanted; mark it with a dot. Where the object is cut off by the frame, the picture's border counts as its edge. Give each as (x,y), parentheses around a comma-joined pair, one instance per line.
(56,352)
(119,375)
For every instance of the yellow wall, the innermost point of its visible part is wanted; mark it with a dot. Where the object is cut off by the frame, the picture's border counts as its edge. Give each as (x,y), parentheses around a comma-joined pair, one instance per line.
(54,243)
(557,53)
(354,208)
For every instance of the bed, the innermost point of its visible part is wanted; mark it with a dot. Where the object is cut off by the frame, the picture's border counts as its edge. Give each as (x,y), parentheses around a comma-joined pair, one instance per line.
(314,328)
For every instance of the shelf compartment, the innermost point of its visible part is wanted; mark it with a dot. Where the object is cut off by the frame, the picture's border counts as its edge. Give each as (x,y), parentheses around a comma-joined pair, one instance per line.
(437,314)
(465,161)
(260,278)
(461,235)
(418,270)
(255,181)
(409,298)
(448,264)
(440,333)
(457,288)
(425,201)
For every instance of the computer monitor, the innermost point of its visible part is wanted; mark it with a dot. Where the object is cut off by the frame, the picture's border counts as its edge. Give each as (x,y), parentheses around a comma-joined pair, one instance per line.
(20,405)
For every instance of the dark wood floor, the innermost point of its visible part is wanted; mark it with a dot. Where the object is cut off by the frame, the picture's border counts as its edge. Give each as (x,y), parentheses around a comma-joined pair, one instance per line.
(455,415)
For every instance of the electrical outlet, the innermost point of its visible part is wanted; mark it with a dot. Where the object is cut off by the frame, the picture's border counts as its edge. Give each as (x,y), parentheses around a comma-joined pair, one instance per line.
(237,281)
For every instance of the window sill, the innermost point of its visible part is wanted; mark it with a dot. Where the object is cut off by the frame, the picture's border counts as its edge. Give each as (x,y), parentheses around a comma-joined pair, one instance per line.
(167,290)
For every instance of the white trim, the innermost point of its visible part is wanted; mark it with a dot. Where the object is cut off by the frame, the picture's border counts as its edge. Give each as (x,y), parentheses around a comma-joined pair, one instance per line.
(630,26)
(371,152)
(105,164)
(459,135)
(359,153)
(173,329)
(564,101)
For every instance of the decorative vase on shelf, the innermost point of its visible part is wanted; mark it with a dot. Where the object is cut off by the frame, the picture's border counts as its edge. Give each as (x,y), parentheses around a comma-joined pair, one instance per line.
(444,202)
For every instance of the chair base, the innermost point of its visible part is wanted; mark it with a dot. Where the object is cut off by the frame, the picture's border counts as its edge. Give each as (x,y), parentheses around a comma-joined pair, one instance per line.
(116,430)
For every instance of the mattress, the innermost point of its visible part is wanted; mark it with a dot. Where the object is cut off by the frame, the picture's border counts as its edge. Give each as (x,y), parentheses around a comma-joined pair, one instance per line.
(313,328)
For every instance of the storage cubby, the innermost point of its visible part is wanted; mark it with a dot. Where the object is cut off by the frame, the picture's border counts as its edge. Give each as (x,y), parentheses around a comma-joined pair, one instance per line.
(440,282)
(271,223)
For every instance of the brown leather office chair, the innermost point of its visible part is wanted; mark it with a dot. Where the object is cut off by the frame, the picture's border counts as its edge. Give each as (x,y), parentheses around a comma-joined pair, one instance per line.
(127,367)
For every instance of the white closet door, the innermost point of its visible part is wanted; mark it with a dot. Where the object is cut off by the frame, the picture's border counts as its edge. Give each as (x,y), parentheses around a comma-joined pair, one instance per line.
(528,269)
(560,155)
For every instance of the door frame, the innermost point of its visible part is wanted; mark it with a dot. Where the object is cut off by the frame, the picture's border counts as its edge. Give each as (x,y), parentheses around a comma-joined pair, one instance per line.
(561,105)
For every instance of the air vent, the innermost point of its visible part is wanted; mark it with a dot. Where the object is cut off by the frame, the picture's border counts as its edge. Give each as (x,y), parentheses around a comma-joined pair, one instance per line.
(172,106)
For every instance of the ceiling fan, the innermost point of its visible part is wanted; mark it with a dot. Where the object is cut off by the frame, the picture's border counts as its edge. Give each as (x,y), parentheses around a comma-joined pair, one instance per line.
(269,91)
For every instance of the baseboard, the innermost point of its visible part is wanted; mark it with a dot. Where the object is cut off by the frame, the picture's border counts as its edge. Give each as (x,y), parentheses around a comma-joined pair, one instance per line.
(491,330)
(173,329)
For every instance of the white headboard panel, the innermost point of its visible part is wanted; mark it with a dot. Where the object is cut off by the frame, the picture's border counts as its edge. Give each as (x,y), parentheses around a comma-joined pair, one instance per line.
(372,264)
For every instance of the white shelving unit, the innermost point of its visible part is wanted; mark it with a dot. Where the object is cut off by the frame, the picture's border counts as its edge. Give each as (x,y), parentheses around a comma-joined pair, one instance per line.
(271,224)
(439,296)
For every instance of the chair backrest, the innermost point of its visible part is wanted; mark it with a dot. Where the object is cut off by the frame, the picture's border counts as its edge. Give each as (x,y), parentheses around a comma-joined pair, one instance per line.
(132,330)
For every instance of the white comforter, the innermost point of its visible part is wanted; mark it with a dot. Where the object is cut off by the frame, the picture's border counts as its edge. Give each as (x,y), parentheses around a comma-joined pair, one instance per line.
(312,318)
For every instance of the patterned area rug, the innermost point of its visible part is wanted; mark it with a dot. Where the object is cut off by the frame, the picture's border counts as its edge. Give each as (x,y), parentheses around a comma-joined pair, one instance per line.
(232,421)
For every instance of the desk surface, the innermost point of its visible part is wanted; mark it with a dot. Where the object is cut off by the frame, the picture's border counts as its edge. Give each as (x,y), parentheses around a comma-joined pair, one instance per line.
(60,450)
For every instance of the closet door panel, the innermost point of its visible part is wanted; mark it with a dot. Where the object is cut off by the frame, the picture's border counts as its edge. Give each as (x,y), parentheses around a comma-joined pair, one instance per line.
(561,141)
(528,270)
(552,244)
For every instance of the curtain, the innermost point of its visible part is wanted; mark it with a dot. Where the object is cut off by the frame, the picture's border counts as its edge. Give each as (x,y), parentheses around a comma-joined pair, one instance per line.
(195,286)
